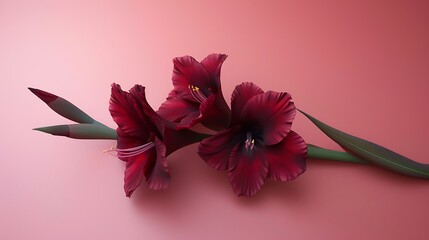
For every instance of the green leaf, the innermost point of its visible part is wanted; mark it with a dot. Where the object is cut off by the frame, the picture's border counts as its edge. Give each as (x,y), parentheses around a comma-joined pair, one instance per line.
(372,152)
(80,131)
(63,107)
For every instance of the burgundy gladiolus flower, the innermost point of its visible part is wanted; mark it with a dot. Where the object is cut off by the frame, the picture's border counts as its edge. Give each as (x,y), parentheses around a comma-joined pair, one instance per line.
(197,95)
(145,139)
(259,142)
(139,140)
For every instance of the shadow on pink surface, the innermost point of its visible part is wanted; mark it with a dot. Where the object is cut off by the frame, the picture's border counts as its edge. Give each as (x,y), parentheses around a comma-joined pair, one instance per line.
(192,180)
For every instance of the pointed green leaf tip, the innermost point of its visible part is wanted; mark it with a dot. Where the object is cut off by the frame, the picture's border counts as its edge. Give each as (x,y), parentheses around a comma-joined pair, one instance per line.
(59,130)
(372,152)
(63,107)
(80,131)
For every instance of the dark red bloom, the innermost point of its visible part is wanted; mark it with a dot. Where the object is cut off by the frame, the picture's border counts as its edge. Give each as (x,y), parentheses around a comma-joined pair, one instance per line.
(197,95)
(144,139)
(259,143)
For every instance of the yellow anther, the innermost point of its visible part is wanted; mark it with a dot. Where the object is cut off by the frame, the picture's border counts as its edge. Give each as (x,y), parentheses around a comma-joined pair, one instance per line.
(197,94)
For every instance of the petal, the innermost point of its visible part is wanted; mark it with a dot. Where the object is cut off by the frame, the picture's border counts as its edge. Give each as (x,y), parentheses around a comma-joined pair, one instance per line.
(208,112)
(242,93)
(185,114)
(157,175)
(152,119)
(187,71)
(247,170)
(190,120)
(215,150)
(125,113)
(182,112)
(222,114)
(213,63)
(213,117)
(138,91)
(125,141)
(135,169)
(287,159)
(222,110)
(273,112)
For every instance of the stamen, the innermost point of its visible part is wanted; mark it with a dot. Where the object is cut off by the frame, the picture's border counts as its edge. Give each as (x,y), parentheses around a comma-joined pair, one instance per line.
(129,152)
(249,144)
(197,94)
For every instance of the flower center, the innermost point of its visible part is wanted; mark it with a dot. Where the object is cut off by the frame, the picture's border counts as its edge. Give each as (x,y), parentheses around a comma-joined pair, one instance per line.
(197,94)
(130,152)
(249,144)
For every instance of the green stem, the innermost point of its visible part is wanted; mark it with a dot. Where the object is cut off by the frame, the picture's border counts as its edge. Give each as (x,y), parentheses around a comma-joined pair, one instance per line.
(326,154)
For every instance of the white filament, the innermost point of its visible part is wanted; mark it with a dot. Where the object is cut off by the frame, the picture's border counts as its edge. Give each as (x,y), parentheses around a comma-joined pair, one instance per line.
(130,152)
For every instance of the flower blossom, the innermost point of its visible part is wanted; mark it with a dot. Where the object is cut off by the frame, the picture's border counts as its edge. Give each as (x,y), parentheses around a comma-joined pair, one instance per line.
(259,142)
(197,94)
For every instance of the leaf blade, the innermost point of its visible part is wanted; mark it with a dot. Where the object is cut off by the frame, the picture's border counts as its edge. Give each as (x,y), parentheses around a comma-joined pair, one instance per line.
(63,107)
(372,152)
(80,131)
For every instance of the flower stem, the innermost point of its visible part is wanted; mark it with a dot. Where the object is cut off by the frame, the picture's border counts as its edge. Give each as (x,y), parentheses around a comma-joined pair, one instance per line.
(326,154)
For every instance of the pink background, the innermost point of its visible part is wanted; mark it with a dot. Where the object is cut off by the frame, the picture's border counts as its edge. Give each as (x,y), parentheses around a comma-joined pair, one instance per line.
(361,66)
